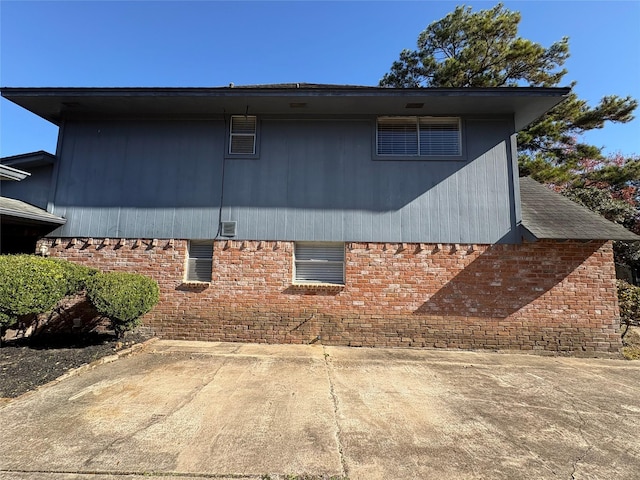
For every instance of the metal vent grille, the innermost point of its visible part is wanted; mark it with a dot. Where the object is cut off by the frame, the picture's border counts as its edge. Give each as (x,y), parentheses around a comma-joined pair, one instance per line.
(242,135)
(200,262)
(228,229)
(319,262)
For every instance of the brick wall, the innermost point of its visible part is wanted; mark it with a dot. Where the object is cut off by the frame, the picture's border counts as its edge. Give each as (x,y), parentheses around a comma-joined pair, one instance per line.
(540,296)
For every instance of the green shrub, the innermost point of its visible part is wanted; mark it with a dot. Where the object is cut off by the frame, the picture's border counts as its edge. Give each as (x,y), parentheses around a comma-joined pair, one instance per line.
(631,344)
(122,297)
(629,301)
(76,275)
(29,285)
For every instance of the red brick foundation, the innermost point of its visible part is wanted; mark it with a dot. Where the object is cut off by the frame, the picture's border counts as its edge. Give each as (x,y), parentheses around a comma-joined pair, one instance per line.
(539,296)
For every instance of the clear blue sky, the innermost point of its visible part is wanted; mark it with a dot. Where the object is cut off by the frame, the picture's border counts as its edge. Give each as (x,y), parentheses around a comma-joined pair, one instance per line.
(206,43)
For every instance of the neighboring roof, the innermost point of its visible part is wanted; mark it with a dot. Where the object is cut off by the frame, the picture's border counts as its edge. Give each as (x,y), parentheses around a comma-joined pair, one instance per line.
(526,104)
(31,159)
(549,215)
(10,173)
(18,209)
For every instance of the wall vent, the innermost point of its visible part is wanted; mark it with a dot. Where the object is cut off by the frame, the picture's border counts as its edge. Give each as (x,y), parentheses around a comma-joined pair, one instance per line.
(228,229)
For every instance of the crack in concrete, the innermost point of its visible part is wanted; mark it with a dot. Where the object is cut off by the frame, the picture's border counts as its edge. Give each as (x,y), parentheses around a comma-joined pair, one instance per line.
(157,418)
(581,457)
(334,397)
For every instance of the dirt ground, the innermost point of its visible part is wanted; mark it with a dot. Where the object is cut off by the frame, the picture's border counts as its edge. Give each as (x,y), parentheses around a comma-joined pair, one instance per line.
(26,363)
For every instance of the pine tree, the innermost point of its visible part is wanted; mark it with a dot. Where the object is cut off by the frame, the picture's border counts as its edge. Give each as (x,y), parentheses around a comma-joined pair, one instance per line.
(483,49)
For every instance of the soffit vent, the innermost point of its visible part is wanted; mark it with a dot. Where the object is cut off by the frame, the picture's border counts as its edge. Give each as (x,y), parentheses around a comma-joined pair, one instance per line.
(228,229)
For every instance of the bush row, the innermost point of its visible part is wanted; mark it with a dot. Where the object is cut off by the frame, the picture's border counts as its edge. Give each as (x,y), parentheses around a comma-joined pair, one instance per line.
(32,285)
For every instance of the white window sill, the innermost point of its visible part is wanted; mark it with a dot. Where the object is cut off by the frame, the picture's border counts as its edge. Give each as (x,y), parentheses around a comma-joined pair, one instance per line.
(194,284)
(320,286)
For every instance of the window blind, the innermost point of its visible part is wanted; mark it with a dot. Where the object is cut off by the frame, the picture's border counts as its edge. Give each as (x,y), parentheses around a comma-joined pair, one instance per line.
(200,262)
(439,136)
(319,262)
(418,136)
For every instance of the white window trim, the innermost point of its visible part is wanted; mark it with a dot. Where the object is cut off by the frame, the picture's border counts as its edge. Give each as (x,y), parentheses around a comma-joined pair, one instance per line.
(311,283)
(418,156)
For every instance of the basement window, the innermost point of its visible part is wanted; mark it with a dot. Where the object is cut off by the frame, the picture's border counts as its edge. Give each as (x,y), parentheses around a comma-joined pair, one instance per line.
(418,137)
(242,135)
(319,263)
(199,261)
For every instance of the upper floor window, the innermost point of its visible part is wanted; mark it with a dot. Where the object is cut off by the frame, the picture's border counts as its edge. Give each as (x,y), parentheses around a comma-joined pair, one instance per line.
(419,136)
(242,135)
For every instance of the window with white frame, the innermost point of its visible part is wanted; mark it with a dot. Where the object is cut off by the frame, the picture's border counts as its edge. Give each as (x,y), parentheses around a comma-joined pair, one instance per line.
(418,137)
(242,135)
(200,261)
(319,263)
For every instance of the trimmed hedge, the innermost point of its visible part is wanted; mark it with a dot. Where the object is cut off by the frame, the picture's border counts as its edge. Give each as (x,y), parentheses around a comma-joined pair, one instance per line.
(76,275)
(122,297)
(29,285)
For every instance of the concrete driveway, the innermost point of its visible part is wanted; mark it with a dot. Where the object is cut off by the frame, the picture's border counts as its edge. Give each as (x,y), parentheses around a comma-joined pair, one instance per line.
(188,410)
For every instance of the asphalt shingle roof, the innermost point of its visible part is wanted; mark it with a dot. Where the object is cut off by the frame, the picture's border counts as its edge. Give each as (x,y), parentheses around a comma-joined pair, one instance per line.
(549,215)
(11,207)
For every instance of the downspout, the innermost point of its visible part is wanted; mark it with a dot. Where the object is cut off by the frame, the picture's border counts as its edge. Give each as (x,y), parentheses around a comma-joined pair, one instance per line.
(222,173)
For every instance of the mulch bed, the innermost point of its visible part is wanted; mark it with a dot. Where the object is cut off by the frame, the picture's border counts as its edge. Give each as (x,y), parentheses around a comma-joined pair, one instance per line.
(26,363)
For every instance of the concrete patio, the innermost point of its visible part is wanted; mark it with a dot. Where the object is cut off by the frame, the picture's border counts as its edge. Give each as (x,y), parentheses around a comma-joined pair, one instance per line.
(188,410)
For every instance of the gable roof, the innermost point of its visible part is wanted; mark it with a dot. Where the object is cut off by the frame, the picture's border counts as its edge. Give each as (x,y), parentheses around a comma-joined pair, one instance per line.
(526,104)
(549,215)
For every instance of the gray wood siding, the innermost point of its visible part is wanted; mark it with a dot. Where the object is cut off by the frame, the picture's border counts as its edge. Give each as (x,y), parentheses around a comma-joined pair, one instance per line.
(314,180)
(151,179)
(34,189)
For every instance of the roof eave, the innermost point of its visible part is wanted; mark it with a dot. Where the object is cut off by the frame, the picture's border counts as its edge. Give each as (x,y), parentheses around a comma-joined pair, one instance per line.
(45,219)
(526,104)
(528,235)
(10,173)
(31,159)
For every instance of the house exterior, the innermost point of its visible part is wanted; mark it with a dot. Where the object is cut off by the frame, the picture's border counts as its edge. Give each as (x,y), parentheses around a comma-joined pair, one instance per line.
(23,221)
(358,216)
